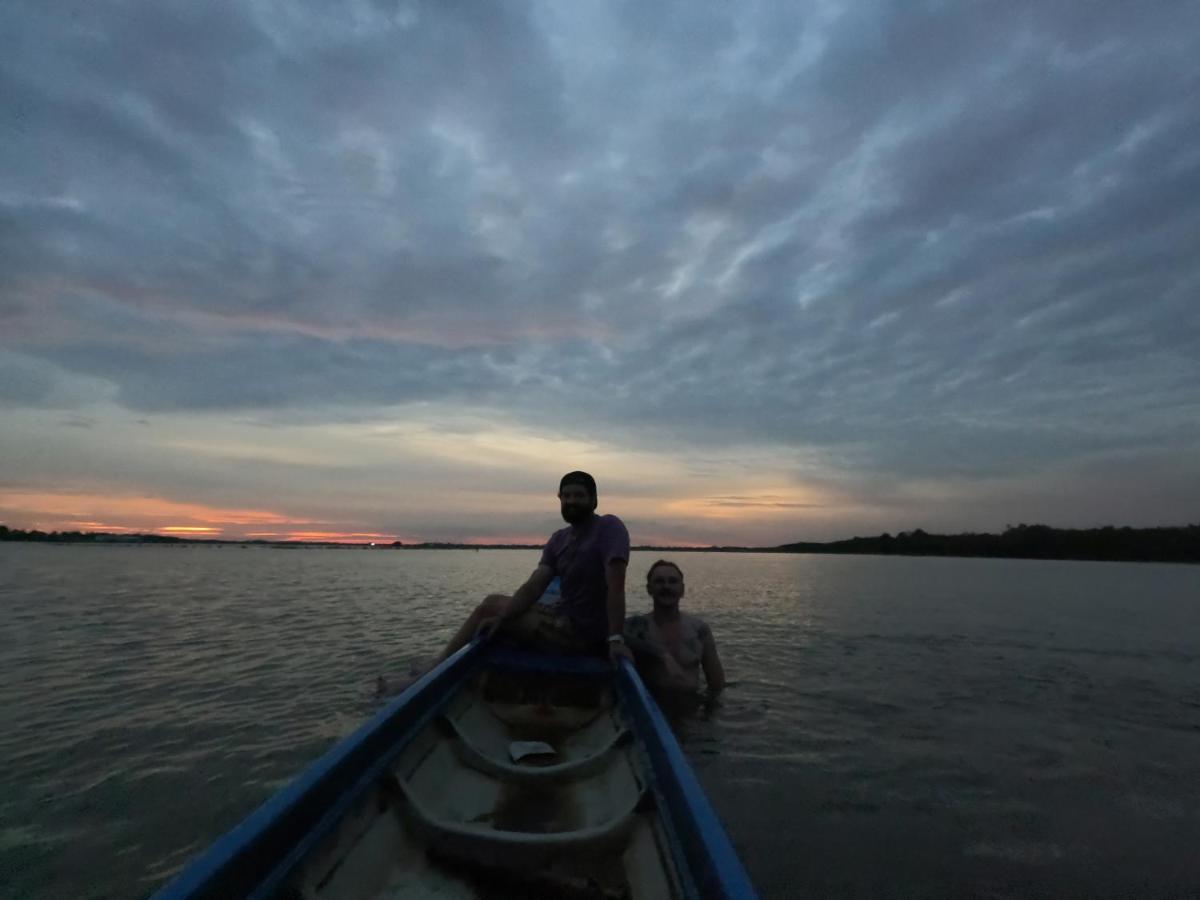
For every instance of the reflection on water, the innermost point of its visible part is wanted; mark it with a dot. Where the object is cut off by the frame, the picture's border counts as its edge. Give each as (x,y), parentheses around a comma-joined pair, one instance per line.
(893,727)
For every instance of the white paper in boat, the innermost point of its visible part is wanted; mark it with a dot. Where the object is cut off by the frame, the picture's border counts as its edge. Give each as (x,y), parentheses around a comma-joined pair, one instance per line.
(519,750)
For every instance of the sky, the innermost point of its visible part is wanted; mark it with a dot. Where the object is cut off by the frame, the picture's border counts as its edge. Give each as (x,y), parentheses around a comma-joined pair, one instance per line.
(771,271)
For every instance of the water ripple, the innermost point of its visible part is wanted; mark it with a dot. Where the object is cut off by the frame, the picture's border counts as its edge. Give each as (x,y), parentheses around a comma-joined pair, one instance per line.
(960,727)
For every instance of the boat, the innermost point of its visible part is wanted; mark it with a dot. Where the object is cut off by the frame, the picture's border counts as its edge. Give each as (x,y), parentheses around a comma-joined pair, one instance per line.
(500,773)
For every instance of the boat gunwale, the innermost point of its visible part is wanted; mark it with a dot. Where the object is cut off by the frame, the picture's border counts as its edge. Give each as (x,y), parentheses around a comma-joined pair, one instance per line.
(290,823)
(711,863)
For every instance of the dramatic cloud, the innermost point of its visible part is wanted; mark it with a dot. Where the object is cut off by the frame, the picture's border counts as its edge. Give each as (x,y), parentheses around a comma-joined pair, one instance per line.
(776,270)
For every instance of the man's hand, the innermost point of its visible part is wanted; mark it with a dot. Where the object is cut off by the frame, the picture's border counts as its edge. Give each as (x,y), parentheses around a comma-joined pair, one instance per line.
(487,627)
(491,612)
(618,651)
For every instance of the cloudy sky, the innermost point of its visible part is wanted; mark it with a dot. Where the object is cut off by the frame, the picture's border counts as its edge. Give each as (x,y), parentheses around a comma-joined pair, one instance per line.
(771,271)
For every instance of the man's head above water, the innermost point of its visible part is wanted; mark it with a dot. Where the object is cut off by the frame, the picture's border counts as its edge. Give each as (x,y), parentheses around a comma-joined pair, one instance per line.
(664,583)
(577,494)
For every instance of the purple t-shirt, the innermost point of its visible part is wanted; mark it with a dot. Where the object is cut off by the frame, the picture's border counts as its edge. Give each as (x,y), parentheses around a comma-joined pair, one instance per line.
(580,556)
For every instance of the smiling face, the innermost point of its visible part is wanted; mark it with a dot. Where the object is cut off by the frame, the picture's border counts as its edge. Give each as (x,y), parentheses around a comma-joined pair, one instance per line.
(664,584)
(577,504)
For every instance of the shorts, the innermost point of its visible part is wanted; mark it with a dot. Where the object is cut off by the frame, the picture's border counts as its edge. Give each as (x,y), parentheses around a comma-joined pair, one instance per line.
(543,625)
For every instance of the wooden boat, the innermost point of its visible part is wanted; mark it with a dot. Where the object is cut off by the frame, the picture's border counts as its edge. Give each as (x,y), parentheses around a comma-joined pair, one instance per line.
(498,774)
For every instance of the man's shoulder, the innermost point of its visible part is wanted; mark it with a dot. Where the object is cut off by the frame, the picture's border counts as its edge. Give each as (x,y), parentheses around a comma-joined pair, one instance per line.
(612,523)
(559,536)
(695,624)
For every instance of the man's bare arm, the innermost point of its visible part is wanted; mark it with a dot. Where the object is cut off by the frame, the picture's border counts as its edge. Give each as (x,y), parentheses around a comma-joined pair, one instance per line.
(528,593)
(714,672)
(614,577)
(496,607)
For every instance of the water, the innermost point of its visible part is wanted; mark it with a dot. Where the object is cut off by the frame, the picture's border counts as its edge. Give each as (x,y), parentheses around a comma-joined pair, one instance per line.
(894,727)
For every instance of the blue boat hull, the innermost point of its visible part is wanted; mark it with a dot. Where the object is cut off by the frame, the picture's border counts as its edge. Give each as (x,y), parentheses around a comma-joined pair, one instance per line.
(433,789)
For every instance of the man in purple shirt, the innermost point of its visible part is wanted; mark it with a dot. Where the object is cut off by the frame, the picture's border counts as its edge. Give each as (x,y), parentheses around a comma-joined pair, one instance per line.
(589,556)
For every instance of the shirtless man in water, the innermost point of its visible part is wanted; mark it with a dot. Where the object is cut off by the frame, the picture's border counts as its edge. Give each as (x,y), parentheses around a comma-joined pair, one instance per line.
(672,647)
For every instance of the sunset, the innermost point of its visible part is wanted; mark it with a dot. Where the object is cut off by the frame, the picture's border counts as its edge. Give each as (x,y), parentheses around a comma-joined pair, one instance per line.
(518,448)
(379,275)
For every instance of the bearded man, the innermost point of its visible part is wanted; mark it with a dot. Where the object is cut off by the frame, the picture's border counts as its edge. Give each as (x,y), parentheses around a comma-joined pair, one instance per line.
(589,557)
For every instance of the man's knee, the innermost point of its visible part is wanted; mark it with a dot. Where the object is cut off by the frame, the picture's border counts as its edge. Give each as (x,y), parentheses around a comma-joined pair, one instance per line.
(492,605)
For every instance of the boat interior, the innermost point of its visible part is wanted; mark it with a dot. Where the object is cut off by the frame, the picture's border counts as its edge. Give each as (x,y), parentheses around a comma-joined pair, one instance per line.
(520,785)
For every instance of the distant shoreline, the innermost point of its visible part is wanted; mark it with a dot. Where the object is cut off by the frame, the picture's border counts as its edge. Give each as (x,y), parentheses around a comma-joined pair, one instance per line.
(1108,544)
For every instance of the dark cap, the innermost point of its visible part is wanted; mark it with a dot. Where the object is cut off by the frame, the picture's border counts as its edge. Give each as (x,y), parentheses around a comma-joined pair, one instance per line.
(579,478)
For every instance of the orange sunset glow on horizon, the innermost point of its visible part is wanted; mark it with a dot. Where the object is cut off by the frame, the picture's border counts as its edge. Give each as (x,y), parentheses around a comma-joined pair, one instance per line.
(249,295)
(882,319)
(125,514)
(130,514)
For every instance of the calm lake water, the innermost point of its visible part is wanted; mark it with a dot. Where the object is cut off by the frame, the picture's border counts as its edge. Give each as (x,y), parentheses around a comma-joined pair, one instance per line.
(894,727)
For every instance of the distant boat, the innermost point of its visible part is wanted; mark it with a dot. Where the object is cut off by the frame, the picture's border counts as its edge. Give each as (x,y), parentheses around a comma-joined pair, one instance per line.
(498,774)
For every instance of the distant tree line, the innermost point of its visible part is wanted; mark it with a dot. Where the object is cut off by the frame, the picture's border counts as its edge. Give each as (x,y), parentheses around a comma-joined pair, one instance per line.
(1172,544)
(83,537)
(445,545)
(1179,544)
(105,537)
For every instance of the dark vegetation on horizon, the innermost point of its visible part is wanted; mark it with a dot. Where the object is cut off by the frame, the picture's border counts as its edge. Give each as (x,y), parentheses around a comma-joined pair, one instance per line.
(107,537)
(85,537)
(1168,544)
(1177,544)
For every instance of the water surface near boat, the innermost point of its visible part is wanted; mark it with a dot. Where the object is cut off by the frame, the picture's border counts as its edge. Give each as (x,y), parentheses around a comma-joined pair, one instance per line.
(948,726)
